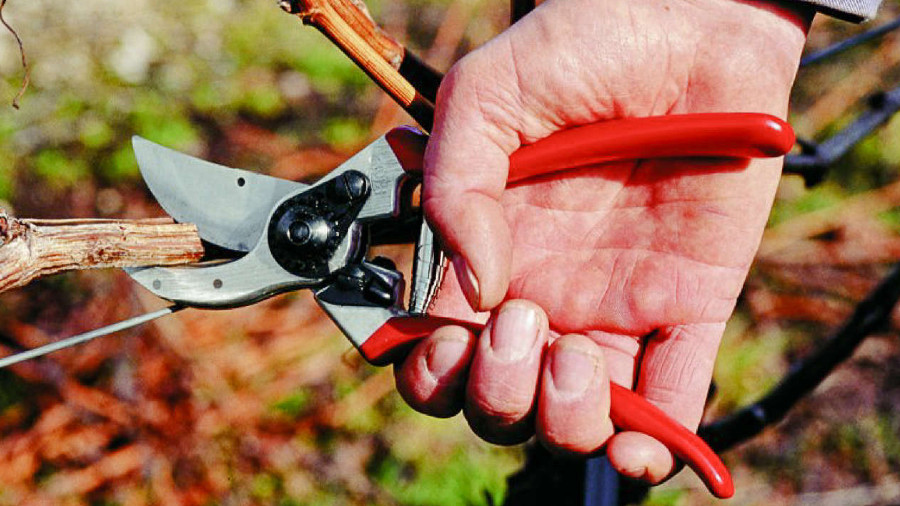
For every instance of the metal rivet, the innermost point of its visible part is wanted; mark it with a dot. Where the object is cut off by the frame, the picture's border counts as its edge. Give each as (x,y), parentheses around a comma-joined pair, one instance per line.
(217,283)
(299,232)
(157,284)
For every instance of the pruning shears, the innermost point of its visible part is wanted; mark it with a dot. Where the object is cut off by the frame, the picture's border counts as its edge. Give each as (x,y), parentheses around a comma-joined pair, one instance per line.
(284,235)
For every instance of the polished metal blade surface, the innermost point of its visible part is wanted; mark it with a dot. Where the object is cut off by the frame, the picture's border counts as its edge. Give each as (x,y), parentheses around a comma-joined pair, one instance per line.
(248,279)
(229,206)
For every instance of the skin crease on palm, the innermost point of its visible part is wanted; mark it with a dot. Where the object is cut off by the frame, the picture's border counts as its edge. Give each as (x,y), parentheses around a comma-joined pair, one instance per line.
(624,272)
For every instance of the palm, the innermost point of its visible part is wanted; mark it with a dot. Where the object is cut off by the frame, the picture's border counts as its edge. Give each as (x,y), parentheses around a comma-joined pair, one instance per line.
(628,248)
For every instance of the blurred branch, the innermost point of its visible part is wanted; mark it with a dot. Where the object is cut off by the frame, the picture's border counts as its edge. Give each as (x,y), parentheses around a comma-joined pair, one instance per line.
(849,43)
(870,315)
(815,158)
(27,78)
(404,76)
(31,249)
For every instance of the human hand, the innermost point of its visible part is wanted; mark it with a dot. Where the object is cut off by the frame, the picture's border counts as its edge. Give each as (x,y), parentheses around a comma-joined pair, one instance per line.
(624,272)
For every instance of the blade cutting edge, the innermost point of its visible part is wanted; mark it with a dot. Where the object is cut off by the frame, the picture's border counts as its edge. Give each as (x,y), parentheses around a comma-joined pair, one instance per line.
(229,206)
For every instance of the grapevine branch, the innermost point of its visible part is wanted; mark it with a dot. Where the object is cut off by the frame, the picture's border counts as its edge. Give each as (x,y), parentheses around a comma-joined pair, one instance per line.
(30,249)
(405,77)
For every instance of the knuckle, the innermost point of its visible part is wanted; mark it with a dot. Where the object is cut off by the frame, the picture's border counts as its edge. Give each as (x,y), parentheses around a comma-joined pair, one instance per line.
(483,93)
(459,80)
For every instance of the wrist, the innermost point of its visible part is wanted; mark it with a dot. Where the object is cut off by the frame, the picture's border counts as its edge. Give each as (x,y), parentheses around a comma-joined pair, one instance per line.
(772,34)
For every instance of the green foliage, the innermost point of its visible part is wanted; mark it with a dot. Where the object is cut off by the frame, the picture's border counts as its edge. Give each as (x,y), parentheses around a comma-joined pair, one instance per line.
(209,97)
(12,389)
(887,429)
(217,65)
(871,163)
(166,123)
(265,487)
(95,133)
(263,100)
(748,365)
(846,442)
(120,166)
(330,70)
(890,149)
(819,197)
(891,218)
(294,404)
(7,174)
(666,497)
(59,170)
(248,43)
(344,132)
(461,478)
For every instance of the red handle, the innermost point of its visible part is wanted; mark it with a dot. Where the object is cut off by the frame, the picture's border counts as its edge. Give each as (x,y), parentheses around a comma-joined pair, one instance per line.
(628,411)
(726,135)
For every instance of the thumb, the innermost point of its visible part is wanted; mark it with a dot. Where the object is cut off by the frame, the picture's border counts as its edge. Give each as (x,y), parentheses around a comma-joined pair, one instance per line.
(466,165)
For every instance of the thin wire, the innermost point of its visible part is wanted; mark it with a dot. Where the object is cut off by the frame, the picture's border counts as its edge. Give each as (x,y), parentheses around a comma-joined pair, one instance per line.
(87,336)
(849,43)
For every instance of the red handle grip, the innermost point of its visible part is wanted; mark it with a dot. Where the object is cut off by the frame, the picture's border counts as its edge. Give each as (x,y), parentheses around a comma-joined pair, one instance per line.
(628,410)
(726,135)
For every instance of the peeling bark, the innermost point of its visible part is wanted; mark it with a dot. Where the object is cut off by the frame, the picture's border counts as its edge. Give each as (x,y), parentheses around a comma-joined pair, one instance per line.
(30,249)
(408,80)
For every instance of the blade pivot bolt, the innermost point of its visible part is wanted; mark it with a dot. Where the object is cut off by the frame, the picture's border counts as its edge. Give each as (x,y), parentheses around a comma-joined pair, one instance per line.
(349,186)
(298,232)
(311,232)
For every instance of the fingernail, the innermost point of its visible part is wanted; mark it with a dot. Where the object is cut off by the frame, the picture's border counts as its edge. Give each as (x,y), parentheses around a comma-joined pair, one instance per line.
(573,369)
(636,472)
(514,331)
(467,281)
(443,355)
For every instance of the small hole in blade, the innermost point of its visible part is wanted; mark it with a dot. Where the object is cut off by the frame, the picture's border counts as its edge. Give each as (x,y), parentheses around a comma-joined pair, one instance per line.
(217,283)
(157,284)
(241,181)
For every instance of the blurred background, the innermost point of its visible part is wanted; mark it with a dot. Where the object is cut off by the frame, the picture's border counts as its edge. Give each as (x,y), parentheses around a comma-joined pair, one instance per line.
(268,404)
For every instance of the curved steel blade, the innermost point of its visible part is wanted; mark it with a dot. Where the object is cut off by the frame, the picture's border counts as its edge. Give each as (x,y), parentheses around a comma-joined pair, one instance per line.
(229,206)
(251,278)
(248,279)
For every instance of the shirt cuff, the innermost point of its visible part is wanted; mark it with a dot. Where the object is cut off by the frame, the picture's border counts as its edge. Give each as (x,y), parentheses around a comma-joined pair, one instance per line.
(850,10)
